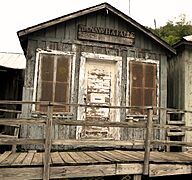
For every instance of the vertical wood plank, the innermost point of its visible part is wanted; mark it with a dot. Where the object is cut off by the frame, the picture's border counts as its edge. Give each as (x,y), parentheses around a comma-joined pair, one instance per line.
(163,94)
(167,137)
(48,142)
(148,141)
(16,133)
(137,177)
(123,93)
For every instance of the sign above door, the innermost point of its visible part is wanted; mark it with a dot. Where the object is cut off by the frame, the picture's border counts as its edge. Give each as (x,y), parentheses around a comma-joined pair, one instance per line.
(106,35)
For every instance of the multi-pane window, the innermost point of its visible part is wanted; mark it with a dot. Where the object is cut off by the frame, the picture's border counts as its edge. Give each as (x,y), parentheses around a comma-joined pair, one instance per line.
(53,80)
(143,85)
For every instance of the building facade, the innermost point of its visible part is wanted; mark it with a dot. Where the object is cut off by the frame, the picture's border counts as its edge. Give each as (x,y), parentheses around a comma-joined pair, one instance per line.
(96,56)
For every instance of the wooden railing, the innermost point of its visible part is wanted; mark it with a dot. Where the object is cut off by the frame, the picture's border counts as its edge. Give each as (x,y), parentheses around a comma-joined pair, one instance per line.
(48,123)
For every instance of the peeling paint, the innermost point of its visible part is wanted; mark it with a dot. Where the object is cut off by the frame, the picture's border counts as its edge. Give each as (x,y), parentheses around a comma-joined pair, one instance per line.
(99,85)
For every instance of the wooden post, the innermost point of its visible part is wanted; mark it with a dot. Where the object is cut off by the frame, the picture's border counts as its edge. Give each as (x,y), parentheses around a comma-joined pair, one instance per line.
(48,142)
(167,130)
(137,177)
(16,134)
(148,141)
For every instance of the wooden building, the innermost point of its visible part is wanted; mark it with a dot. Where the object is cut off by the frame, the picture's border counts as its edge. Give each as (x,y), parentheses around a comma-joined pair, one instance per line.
(12,67)
(179,82)
(95,56)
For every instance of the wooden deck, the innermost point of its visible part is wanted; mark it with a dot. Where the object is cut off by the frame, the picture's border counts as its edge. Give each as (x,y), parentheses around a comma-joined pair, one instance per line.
(91,158)
(29,165)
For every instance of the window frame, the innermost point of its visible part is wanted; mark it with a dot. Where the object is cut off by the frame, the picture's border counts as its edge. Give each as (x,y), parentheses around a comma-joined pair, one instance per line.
(37,74)
(128,92)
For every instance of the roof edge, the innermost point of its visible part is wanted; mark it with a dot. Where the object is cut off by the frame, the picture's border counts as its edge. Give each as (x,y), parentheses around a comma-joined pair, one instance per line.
(93,9)
(60,19)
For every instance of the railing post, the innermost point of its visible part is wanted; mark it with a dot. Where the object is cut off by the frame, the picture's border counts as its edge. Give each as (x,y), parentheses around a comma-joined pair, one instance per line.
(148,141)
(48,142)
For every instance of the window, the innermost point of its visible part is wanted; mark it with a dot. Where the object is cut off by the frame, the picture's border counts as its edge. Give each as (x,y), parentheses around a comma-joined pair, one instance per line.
(53,80)
(143,85)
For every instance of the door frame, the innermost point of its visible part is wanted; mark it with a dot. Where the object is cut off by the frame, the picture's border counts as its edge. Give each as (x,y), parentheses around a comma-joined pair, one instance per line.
(115,115)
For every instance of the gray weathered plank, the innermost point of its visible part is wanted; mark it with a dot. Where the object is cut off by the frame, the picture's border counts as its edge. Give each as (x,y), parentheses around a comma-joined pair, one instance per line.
(56,159)
(169,169)
(19,159)
(67,158)
(28,158)
(95,156)
(9,160)
(37,159)
(4,155)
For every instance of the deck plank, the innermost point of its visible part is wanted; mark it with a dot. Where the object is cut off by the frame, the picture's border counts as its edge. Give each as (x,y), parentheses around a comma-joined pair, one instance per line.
(96,157)
(37,159)
(188,155)
(124,156)
(168,157)
(87,158)
(183,157)
(137,154)
(10,159)
(56,158)
(28,158)
(77,158)
(107,156)
(123,161)
(129,155)
(19,159)
(67,158)
(154,157)
(115,156)
(4,155)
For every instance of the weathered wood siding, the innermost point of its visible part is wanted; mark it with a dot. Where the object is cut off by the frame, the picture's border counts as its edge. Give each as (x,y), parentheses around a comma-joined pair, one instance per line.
(176,81)
(63,37)
(180,82)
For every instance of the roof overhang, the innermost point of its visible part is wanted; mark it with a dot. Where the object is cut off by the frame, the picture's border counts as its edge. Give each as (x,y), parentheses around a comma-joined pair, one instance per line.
(12,60)
(183,41)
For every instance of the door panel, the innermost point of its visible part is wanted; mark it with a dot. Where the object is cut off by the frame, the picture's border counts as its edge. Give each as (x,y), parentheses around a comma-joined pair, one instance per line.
(99,91)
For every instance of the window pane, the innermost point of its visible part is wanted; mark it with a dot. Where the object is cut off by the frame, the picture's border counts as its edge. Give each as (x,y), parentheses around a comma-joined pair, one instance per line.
(61,91)
(47,64)
(148,97)
(54,78)
(61,96)
(137,99)
(137,74)
(62,68)
(150,75)
(46,95)
(46,91)
(143,84)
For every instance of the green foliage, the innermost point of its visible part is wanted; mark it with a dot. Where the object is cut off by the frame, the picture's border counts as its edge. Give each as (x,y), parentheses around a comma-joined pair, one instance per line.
(174,31)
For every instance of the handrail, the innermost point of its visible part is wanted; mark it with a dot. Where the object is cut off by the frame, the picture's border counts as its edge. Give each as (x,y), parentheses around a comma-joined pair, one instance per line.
(49,121)
(95,105)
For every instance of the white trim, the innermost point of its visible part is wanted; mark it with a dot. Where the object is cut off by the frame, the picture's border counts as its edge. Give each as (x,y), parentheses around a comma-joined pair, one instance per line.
(72,70)
(117,86)
(37,68)
(35,78)
(101,56)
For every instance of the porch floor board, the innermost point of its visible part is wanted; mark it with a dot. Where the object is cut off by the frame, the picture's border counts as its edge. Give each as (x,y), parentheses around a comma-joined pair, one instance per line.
(73,164)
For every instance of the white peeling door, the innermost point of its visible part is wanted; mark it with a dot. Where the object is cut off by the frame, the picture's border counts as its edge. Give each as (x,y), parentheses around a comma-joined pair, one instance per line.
(99,91)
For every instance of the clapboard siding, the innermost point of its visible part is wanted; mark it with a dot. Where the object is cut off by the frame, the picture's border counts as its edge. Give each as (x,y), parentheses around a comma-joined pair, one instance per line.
(176,78)
(68,30)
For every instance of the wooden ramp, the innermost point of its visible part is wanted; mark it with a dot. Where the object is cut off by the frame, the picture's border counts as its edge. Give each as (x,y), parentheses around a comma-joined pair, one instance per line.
(29,165)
